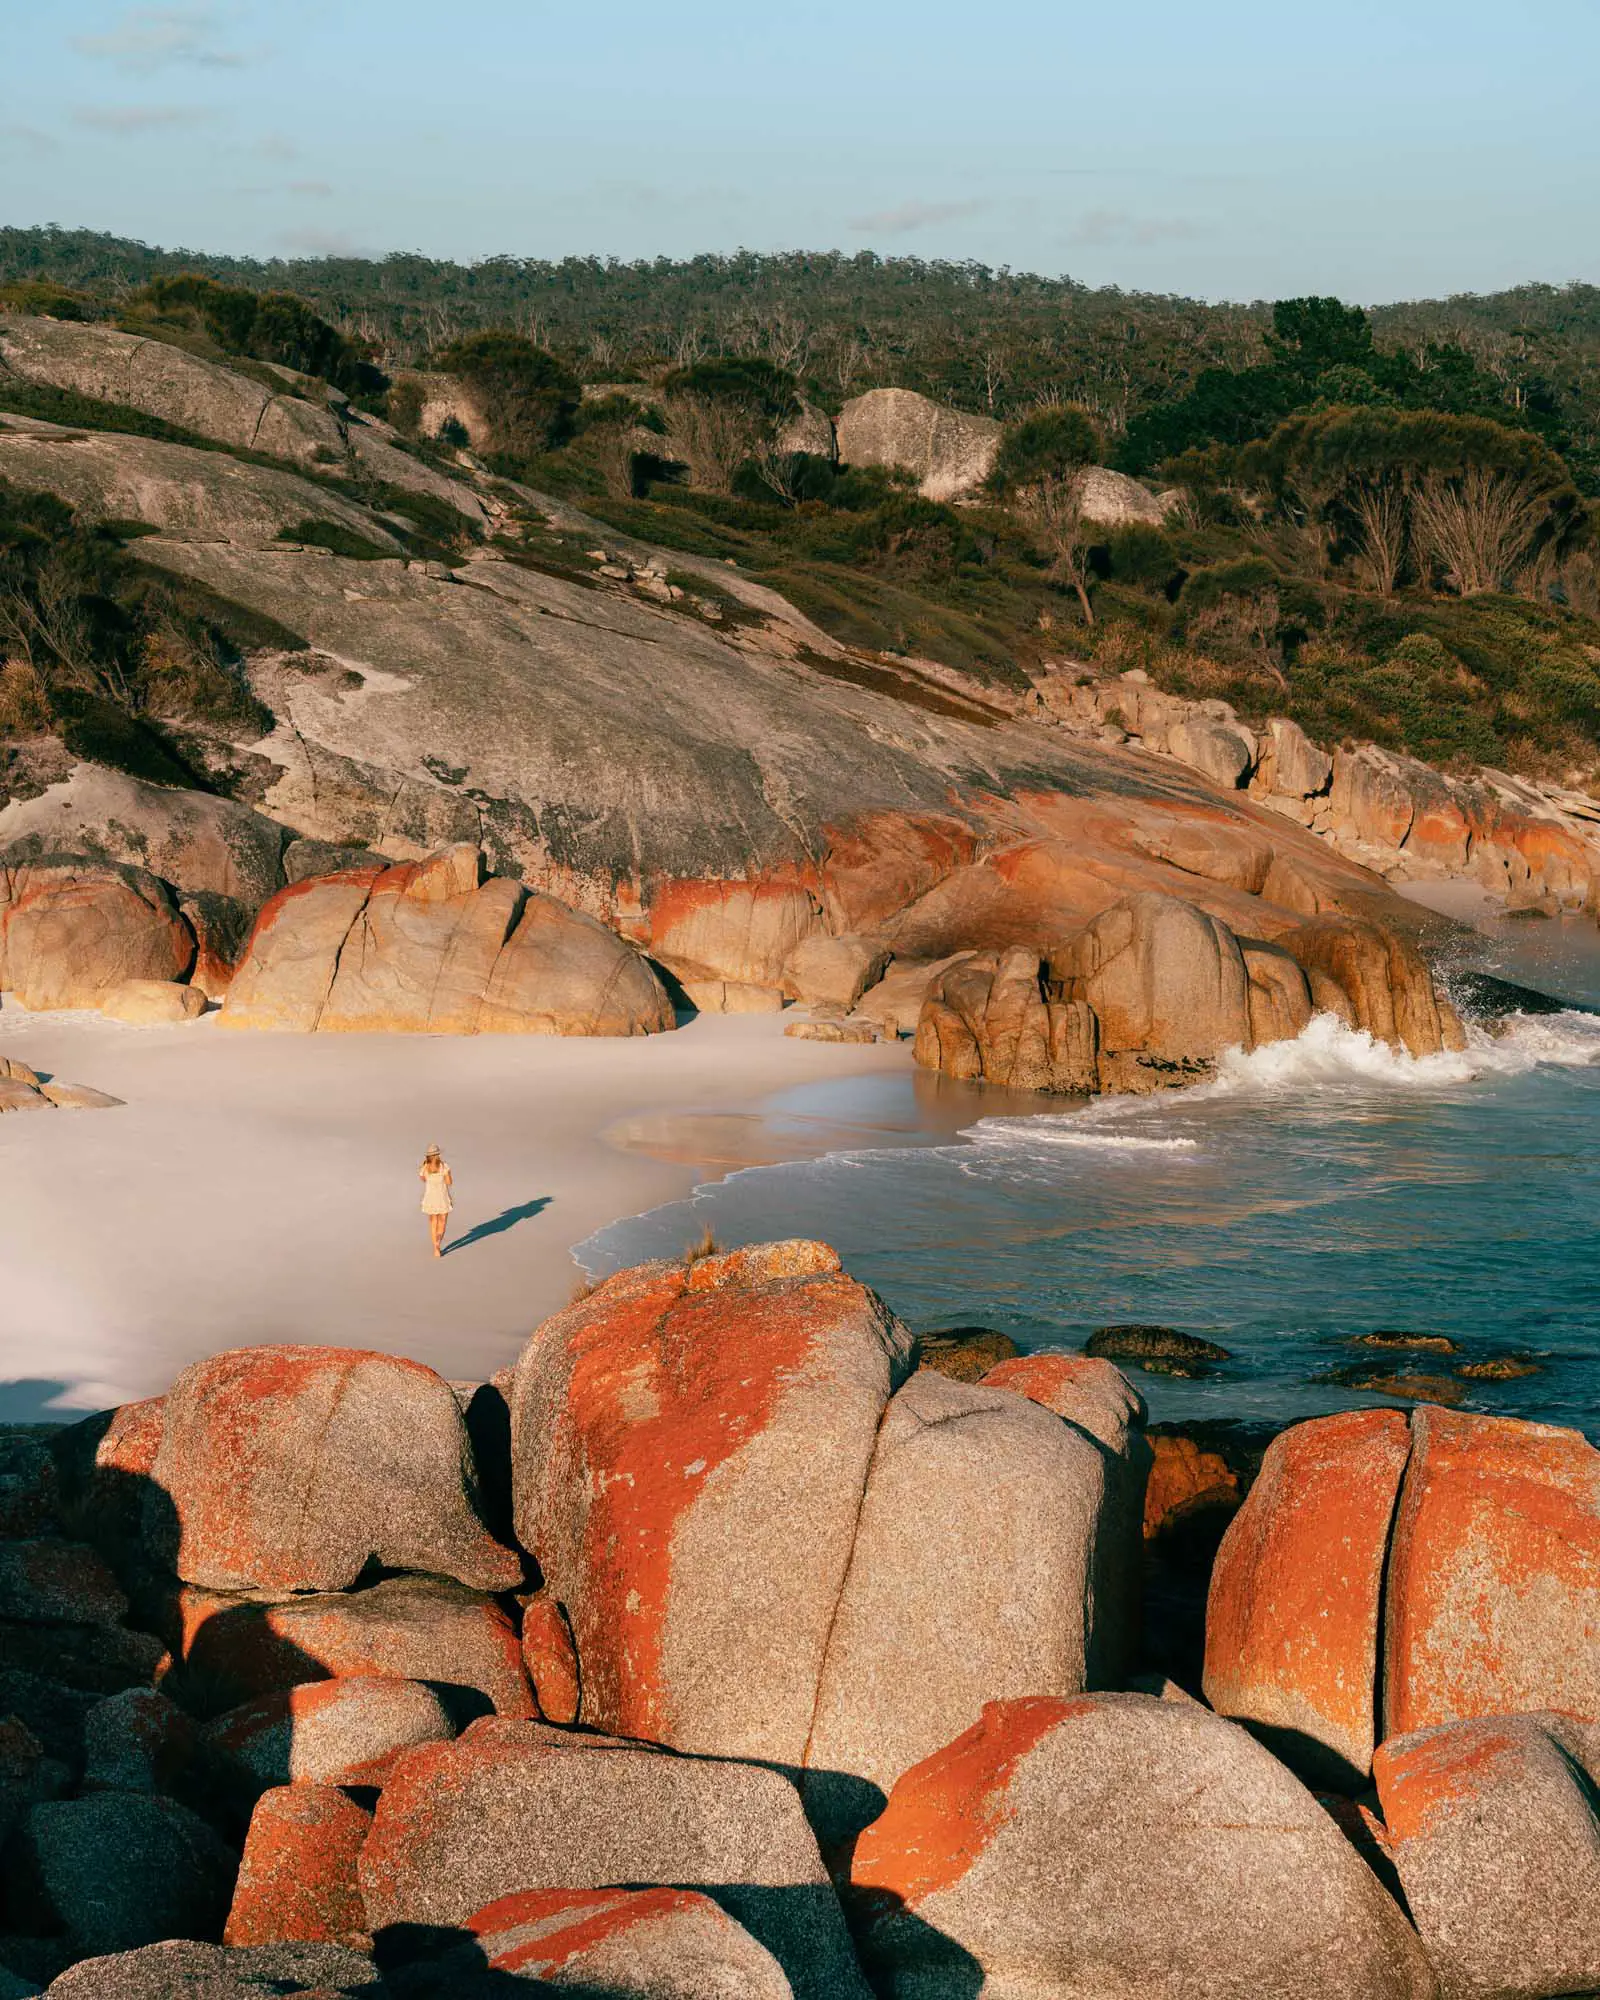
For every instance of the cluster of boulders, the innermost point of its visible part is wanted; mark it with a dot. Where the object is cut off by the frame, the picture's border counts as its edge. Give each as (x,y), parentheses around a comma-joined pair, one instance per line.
(1150,994)
(1531,844)
(425,947)
(22,1088)
(717,1647)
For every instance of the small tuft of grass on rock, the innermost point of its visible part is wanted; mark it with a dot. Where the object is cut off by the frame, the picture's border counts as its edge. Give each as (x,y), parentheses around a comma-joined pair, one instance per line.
(704,1245)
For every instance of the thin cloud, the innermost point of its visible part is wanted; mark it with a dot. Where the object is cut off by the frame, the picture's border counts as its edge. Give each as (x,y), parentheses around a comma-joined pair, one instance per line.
(274,146)
(148,39)
(319,243)
(28,139)
(912,215)
(126,121)
(318,190)
(1102,226)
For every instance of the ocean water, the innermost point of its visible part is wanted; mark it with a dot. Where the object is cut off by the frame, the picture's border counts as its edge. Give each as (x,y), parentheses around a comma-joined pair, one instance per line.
(1316,1191)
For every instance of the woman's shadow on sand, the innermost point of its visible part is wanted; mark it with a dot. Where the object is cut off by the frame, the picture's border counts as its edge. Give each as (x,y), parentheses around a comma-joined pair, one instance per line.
(497,1225)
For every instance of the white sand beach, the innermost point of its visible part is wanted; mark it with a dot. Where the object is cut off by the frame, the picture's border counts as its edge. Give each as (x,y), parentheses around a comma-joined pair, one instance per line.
(263,1187)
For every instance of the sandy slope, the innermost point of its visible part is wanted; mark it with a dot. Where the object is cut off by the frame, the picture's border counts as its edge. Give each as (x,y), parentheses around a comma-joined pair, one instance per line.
(262,1187)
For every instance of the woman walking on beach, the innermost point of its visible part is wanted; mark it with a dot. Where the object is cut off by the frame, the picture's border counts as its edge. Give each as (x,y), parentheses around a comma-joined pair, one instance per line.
(436,1203)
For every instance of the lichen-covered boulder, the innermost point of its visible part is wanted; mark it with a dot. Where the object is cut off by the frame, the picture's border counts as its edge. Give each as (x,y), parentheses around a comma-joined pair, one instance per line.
(973,1579)
(656,1944)
(344,1731)
(1493,1598)
(1494,1829)
(297,1878)
(1167,985)
(1118,1844)
(986,1019)
(71,931)
(415,1628)
(951,452)
(1374,979)
(505,1810)
(430,947)
(690,1446)
(292,1468)
(1292,1624)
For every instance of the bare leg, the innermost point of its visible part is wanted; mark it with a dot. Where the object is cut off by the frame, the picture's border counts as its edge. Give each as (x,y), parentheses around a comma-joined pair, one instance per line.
(437,1224)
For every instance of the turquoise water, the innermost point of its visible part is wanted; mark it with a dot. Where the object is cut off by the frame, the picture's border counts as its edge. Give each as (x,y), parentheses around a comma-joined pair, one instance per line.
(1318,1190)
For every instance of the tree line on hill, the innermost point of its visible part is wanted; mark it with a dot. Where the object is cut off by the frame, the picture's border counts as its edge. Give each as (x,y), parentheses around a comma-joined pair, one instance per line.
(1386,539)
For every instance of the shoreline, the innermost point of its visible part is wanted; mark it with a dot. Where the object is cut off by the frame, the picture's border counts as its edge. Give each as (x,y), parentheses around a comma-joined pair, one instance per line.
(262,1187)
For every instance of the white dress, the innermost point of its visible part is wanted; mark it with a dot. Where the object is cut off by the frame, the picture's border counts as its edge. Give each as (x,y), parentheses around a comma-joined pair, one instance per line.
(435,1193)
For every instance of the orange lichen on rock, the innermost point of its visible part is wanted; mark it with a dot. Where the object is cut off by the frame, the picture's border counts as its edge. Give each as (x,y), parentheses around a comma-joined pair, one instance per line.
(690,1446)
(1437,1771)
(538,1931)
(551,1658)
(1292,1618)
(1494,1578)
(946,1810)
(297,1880)
(1184,1479)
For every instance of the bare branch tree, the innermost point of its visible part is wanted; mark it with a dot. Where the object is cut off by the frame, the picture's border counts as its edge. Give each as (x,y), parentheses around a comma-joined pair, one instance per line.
(1479,523)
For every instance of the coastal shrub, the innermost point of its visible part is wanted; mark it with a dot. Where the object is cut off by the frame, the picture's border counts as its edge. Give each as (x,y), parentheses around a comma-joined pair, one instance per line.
(44,299)
(1141,554)
(529,399)
(728,413)
(267,326)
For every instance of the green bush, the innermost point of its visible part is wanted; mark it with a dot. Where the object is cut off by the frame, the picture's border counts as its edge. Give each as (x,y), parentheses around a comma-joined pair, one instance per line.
(1142,554)
(530,399)
(1051,444)
(268,326)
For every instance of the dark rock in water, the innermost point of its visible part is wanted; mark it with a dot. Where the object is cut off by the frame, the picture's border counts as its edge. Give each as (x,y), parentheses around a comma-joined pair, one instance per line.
(1403,1386)
(1480,996)
(180,1970)
(1407,1343)
(1500,1368)
(965,1353)
(1152,1343)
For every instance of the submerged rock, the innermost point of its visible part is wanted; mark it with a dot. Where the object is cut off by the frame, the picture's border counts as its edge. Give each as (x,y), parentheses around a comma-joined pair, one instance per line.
(1152,1343)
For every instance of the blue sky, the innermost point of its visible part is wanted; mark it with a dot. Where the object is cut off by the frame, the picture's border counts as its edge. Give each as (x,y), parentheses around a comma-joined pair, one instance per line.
(1240,150)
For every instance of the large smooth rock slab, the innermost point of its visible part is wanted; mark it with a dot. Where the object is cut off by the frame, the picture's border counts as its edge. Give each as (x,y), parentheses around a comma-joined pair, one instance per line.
(656,1944)
(503,1811)
(1118,1844)
(1493,1828)
(1494,1578)
(825,971)
(297,1878)
(1292,1622)
(72,930)
(972,1580)
(417,1628)
(193,841)
(690,1446)
(192,494)
(284,977)
(293,1468)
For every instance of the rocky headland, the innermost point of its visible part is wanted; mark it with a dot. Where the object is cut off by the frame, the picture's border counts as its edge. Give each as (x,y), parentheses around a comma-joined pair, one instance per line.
(732,1641)
(684,792)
